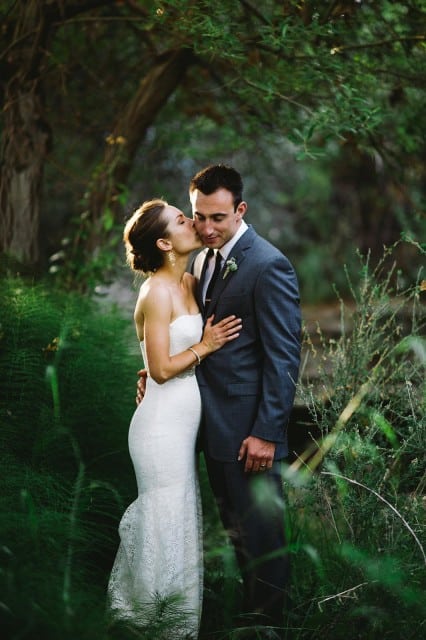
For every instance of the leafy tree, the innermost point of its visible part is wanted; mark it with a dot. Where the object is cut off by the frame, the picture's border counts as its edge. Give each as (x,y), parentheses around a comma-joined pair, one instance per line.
(314,72)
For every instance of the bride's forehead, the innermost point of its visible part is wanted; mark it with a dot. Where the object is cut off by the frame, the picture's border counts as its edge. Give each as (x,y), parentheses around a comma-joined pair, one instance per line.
(172,213)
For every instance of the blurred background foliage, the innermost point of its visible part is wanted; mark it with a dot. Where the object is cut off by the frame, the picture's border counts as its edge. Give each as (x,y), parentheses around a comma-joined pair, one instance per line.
(107,103)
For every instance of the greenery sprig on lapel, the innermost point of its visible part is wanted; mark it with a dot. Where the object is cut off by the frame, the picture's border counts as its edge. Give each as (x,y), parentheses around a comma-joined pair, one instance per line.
(231,265)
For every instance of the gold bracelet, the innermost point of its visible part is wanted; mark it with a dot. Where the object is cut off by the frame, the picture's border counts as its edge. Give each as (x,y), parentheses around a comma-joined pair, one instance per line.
(195,354)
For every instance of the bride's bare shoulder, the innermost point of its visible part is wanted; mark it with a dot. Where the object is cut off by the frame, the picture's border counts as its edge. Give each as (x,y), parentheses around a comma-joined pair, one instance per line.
(154,292)
(154,305)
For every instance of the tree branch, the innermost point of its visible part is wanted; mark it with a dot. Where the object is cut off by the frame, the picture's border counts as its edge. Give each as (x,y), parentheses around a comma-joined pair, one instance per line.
(101,19)
(254,11)
(281,96)
(54,15)
(329,12)
(378,43)
(64,10)
(136,7)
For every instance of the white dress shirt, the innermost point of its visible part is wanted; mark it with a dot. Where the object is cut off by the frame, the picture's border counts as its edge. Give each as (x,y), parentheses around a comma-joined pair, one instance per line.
(224,252)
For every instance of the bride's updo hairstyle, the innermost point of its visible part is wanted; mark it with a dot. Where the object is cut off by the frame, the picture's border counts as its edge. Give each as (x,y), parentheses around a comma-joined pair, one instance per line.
(141,233)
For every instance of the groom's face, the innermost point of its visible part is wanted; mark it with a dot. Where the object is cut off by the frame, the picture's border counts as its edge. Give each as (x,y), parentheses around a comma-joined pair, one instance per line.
(215,219)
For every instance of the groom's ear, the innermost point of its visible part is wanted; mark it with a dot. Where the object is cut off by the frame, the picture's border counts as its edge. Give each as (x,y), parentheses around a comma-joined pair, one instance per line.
(241,209)
(163,244)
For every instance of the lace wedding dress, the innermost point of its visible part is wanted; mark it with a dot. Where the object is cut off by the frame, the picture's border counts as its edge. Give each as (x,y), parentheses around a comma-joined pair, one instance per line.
(157,577)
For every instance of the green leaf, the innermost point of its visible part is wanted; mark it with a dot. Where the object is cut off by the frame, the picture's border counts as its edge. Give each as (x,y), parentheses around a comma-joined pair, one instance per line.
(108,219)
(385,427)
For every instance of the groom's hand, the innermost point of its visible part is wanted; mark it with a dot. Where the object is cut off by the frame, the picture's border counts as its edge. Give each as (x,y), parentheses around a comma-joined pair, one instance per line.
(259,454)
(141,385)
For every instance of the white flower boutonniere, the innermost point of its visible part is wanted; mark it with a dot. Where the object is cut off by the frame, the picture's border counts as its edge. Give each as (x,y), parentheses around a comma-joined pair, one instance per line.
(231,265)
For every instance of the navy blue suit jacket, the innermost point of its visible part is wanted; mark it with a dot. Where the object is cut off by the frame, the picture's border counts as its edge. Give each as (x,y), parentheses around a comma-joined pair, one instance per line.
(248,386)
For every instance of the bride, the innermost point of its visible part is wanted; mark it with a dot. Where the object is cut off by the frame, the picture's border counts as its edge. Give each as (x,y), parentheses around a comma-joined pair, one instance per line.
(157,573)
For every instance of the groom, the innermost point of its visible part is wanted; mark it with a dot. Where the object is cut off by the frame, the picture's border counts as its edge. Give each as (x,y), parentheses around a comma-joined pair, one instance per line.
(248,387)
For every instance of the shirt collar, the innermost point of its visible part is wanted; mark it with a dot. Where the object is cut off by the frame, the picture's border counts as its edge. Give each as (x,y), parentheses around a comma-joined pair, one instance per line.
(228,246)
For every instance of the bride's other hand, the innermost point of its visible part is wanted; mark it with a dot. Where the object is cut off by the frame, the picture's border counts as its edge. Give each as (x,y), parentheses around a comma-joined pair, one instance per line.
(141,385)
(216,335)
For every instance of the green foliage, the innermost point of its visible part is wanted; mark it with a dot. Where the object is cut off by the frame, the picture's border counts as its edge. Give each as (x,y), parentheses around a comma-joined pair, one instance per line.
(65,403)
(71,269)
(308,69)
(361,511)
(380,345)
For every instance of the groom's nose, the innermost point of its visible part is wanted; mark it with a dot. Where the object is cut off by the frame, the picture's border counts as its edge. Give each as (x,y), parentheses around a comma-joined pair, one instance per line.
(208,227)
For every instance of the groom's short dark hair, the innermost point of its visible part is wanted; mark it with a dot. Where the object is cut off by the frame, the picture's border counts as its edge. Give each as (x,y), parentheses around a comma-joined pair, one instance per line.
(218,176)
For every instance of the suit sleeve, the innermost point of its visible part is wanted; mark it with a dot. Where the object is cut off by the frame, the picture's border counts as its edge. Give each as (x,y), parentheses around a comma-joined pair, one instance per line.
(278,318)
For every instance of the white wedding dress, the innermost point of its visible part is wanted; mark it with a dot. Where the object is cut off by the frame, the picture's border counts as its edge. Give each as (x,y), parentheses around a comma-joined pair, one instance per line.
(157,574)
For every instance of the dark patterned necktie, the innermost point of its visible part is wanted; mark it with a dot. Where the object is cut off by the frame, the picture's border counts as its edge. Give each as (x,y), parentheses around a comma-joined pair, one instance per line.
(213,279)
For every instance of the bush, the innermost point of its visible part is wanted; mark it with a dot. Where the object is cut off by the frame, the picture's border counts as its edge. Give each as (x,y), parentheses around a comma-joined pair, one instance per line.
(355,497)
(67,394)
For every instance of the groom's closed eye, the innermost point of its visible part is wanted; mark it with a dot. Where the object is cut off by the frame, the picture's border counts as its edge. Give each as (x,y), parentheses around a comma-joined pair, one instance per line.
(216,217)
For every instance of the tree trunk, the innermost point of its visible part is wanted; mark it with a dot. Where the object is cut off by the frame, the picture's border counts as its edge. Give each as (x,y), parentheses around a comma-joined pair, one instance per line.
(24,137)
(24,149)
(25,134)
(152,94)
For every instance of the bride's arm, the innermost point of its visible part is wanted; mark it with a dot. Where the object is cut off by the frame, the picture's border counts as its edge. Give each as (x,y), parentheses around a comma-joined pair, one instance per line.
(157,313)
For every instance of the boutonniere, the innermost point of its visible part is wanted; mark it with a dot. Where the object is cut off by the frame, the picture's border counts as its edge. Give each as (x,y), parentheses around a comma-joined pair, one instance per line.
(230,266)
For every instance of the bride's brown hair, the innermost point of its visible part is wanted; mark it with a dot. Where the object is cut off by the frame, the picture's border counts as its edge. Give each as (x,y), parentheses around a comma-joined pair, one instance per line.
(141,233)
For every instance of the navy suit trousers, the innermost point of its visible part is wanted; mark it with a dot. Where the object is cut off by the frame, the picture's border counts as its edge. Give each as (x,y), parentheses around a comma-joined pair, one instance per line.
(251,507)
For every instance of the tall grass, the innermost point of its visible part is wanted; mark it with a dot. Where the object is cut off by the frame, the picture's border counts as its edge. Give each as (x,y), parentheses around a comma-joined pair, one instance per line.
(356,496)
(67,392)
(354,500)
